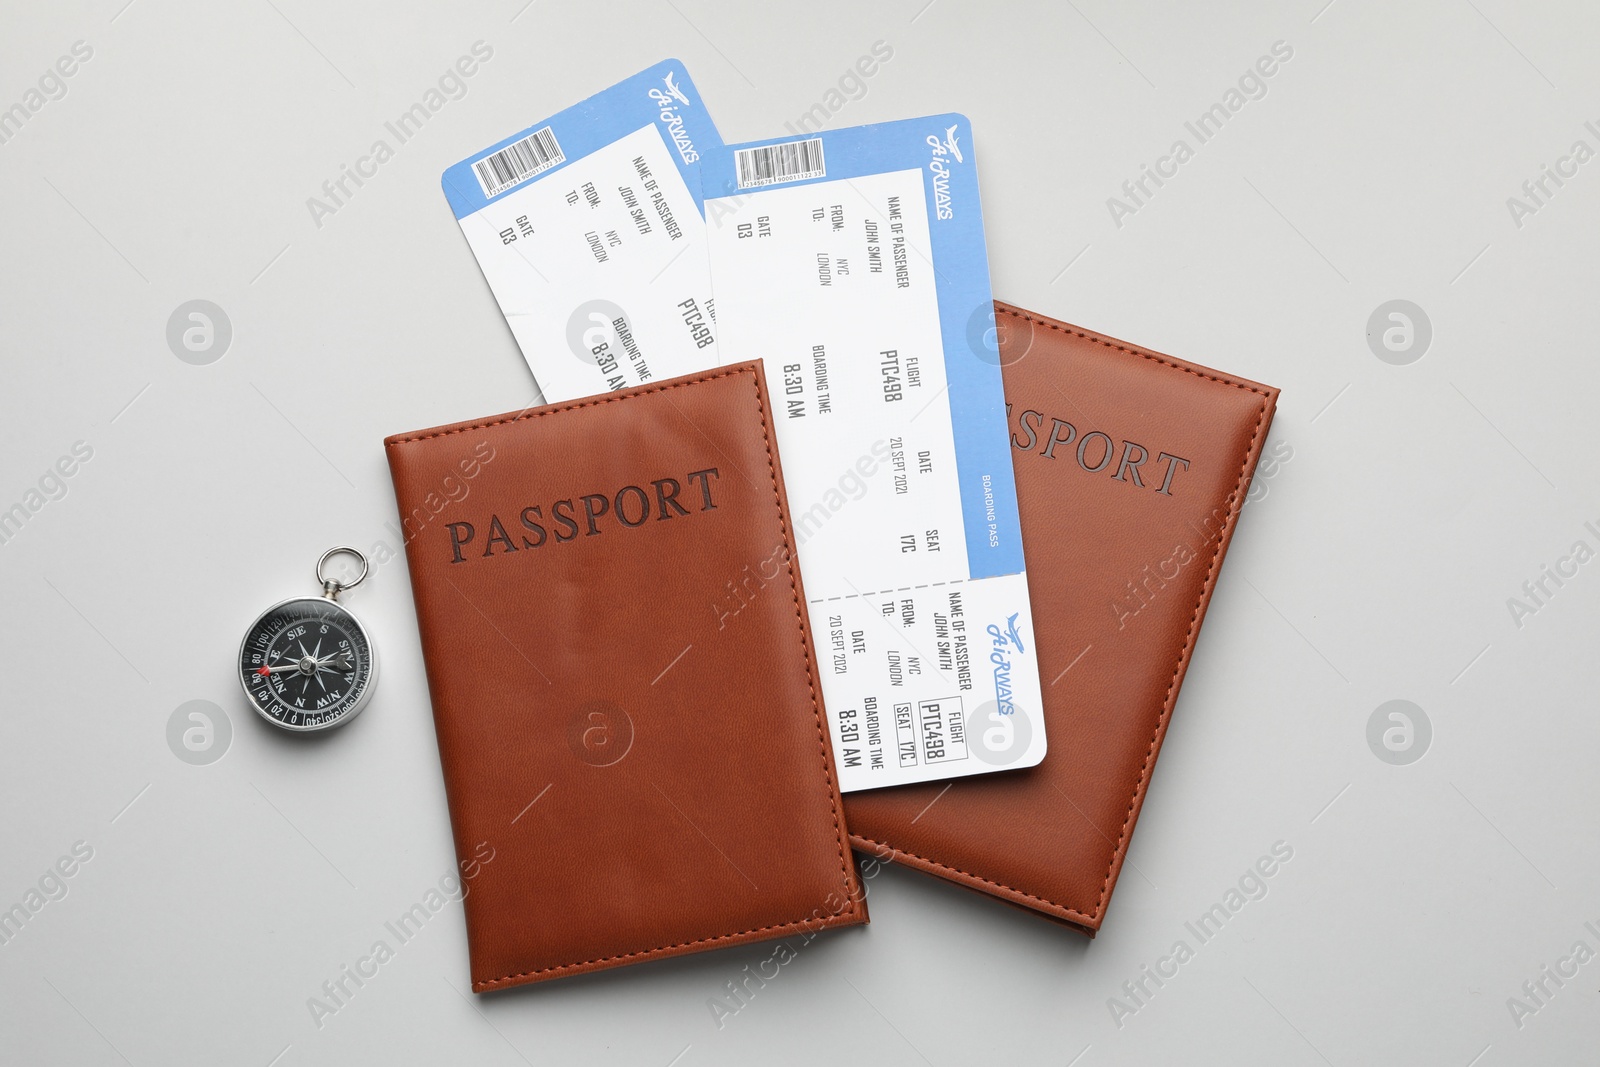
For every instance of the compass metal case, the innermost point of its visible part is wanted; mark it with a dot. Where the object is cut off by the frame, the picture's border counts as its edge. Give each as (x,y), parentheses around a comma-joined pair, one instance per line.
(307,663)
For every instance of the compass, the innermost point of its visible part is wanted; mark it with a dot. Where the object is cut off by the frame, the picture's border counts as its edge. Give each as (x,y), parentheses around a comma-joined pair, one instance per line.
(306,663)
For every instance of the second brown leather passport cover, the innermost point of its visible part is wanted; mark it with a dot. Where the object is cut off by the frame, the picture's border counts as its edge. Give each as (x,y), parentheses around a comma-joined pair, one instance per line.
(650,773)
(1131,469)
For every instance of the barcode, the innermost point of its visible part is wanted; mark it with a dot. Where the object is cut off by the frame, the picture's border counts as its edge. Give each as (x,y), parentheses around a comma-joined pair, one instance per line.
(515,163)
(775,163)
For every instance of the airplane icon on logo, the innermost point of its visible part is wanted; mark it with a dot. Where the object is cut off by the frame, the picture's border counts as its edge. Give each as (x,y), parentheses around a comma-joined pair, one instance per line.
(677,93)
(951,144)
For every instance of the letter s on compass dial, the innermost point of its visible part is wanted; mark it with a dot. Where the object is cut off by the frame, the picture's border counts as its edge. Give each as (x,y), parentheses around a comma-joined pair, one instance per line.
(306,664)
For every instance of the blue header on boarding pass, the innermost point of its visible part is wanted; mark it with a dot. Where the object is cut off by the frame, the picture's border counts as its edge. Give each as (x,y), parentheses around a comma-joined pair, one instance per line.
(940,147)
(663,97)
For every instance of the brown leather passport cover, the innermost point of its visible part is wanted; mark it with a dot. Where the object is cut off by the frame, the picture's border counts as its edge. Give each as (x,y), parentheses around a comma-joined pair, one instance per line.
(648,772)
(1131,469)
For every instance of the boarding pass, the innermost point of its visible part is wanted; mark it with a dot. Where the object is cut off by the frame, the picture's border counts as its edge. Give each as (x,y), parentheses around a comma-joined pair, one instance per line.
(589,230)
(853,262)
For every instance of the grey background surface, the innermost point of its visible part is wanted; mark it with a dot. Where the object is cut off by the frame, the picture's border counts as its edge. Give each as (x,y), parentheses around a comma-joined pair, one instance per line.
(1375,563)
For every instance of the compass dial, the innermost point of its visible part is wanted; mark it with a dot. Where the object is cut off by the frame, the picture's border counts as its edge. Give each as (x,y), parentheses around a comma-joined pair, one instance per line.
(306,664)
